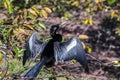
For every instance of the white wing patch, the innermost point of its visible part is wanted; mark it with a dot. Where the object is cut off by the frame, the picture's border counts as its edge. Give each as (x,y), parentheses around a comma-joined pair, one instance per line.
(30,42)
(71,45)
(33,37)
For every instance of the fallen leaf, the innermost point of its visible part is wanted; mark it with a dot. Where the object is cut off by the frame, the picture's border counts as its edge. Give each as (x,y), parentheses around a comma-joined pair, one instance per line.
(60,78)
(1,56)
(15,32)
(100,7)
(98,1)
(83,45)
(48,10)
(32,11)
(5,4)
(22,31)
(25,13)
(43,13)
(28,26)
(82,36)
(73,61)
(16,20)
(35,9)
(86,21)
(91,21)
(0,71)
(115,62)
(89,49)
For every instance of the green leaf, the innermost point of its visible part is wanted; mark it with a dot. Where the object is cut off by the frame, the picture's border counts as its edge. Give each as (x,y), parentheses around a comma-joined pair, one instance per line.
(9,9)
(16,24)
(61,78)
(12,67)
(63,40)
(116,63)
(67,15)
(47,39)
(76,3)
(41,24)
(1,22)
(16,50)
(21,51)
(110,2)
(8,32)
(32,17)
(27,1)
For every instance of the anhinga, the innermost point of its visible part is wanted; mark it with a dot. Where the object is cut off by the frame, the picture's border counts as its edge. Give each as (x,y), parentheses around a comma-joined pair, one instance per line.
(52,51)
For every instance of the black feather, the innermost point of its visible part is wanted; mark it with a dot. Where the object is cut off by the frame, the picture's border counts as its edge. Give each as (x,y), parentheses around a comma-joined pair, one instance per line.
(33,72)
(71,49)
(53,50)
(34,48)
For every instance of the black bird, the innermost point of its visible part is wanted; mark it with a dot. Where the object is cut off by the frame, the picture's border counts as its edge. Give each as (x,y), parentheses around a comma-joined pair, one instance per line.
(53,50)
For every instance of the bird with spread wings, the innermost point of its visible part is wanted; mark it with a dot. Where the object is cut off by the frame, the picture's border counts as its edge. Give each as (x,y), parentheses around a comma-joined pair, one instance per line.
(53,51)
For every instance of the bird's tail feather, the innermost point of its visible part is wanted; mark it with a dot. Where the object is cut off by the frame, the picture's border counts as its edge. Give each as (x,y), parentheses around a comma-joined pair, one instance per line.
(83,61)
(33,72)
(87,69)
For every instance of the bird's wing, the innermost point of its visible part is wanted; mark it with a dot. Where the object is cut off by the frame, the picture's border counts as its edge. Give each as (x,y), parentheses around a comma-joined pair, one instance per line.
(71,49)
(33,47)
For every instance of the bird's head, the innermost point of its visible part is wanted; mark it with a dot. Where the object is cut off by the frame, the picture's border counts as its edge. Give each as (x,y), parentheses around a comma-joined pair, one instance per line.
(54,29)
(53,33)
